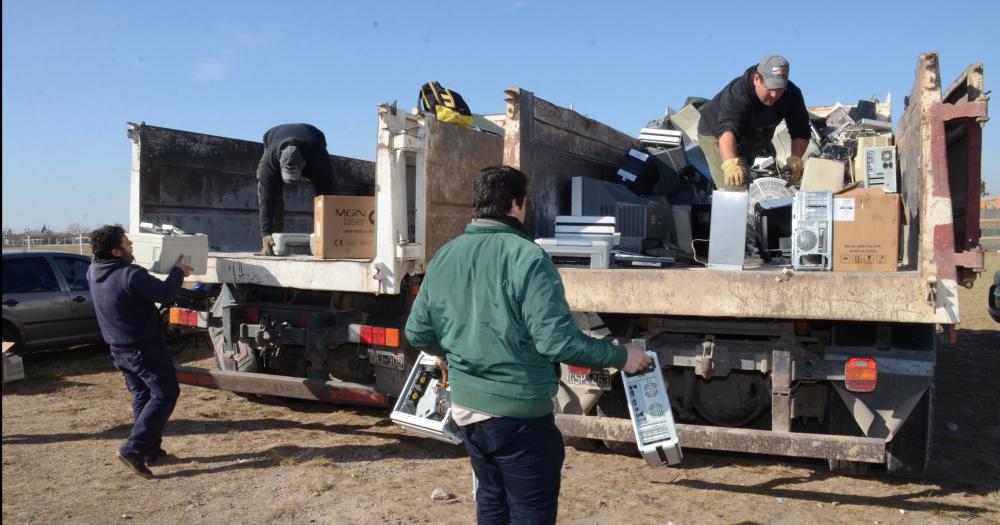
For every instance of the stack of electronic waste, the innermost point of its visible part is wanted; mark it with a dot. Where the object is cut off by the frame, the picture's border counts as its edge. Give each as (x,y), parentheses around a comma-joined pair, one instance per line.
(660,209)
(582,240)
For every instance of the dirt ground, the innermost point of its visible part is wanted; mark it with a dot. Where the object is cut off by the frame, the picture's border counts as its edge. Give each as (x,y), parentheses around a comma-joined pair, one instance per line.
(240,461)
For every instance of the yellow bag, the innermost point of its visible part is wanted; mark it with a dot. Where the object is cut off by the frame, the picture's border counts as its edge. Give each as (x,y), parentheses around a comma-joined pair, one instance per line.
(447,105)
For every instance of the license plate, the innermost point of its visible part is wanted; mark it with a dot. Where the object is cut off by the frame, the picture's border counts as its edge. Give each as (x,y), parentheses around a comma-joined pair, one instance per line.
(390,360)
(595,379)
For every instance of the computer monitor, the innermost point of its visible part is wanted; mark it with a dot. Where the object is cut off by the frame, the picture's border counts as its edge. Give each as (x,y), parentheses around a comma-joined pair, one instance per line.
(773,227)
(642,222)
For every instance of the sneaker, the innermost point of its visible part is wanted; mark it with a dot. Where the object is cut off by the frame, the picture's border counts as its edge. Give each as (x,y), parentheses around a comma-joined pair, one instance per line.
(155,457)
(136,464)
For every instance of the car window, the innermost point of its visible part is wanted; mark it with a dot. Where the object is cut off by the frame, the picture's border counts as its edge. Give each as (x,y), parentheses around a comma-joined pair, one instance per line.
(28,274)
(74,270)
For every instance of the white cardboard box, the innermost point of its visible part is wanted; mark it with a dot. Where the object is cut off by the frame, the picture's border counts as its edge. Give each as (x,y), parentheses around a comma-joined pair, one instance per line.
(158,253)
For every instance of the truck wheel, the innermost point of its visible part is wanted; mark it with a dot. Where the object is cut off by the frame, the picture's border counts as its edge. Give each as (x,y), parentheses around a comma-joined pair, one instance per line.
(173,335)
(11,334)
(849,468)
(908,454)
(841,422)
(614,404)
(228,361)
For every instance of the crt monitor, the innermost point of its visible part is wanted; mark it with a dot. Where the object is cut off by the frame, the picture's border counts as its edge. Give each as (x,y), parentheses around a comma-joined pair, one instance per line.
(642,222)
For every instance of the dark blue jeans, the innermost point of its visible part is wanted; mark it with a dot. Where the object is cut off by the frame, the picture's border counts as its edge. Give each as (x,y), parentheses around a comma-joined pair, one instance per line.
(518,463)
(152,379)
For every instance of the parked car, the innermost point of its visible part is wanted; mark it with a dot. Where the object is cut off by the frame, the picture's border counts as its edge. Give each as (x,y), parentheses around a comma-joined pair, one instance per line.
(46,300)
(993,298)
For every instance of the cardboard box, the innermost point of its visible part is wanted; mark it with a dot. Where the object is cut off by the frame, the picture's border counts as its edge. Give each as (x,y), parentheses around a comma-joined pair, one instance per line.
(866,230)
(13,366)
(344,227)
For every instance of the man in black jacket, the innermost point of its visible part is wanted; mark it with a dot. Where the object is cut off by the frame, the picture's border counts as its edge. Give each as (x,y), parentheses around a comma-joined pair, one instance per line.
(291,152)
(738,123)
(125,297)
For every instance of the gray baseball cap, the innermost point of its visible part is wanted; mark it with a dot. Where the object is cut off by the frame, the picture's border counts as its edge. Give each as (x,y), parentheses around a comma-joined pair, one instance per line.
(291,163)
(774,70)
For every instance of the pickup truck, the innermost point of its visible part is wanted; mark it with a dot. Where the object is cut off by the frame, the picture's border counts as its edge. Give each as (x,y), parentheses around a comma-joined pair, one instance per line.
(756,360)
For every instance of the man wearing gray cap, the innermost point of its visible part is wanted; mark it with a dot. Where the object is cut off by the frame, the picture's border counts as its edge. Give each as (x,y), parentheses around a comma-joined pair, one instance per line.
(291,152)
(738,123)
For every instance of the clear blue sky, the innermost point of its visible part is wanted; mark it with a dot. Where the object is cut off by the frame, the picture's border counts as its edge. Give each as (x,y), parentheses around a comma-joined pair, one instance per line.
(75,72)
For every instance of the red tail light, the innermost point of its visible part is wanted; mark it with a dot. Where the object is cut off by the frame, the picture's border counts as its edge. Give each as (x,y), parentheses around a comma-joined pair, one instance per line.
(860,374)
(186,317)
(251,315)
(373,335)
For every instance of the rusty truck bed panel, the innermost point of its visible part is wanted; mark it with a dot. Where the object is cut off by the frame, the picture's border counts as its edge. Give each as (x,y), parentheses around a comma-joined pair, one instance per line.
(897,297)
(208,184)
(454,156)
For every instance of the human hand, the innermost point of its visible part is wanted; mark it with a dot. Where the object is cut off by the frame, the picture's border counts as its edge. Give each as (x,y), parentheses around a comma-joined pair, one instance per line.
(795,168)
(267,245)
(637,359)
(441,363)
(184,268)
(735,170)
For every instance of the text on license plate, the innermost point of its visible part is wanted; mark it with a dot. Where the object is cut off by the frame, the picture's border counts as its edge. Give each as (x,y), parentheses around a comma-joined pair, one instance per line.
(596,378)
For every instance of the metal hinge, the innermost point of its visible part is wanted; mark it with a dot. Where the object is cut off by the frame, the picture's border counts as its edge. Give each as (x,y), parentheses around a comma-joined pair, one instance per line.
(408,140)
(408,251)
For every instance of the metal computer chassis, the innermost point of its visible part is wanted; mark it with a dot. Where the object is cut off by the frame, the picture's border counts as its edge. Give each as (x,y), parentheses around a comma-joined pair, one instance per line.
(424,407)
(652,419)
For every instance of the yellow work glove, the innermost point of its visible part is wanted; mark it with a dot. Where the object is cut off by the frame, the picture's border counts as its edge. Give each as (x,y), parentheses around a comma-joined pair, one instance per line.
(795,168)
(268,245)
(735,170)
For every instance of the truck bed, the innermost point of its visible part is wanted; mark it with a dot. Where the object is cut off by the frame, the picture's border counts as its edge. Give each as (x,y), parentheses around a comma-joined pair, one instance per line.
(423,173)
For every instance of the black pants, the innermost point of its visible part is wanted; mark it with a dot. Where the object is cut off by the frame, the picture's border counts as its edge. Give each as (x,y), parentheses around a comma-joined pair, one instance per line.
(518,463)
(152,380)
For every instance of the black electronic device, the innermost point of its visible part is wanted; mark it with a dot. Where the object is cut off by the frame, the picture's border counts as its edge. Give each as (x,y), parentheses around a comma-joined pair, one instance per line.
(836,152)
(635,172)
(642,221)
(635,260)
(864,110)
(669,164)
(773,227)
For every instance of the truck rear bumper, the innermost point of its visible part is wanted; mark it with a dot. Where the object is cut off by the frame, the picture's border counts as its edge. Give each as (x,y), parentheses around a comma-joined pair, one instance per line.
(822,446)
(337,392)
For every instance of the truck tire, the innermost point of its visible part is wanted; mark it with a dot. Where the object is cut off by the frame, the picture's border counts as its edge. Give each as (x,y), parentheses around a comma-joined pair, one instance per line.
(908,454)
(11,334)
(849,468)
(842,423)
(614,404)
(225,360)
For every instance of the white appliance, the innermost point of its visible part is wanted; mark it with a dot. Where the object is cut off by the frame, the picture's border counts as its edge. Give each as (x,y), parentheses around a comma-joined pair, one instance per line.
(158,252)
(812,230)
(424,405)
(652,419)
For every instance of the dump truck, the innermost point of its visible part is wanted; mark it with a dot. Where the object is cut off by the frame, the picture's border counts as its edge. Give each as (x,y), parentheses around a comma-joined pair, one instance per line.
(758,361)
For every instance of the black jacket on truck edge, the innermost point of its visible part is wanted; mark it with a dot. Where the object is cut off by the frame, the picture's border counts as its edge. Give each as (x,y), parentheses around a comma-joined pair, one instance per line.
(736,108)
(318,169)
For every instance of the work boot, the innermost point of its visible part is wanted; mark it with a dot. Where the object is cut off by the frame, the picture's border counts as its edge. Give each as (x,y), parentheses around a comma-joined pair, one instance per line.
(157,456)
(136,464)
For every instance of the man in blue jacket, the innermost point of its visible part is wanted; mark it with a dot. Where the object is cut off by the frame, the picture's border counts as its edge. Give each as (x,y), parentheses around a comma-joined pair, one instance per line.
(492,305)
(125,297)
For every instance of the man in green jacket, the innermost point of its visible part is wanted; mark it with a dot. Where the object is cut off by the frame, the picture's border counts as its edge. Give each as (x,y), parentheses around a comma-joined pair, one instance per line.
(492,305)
